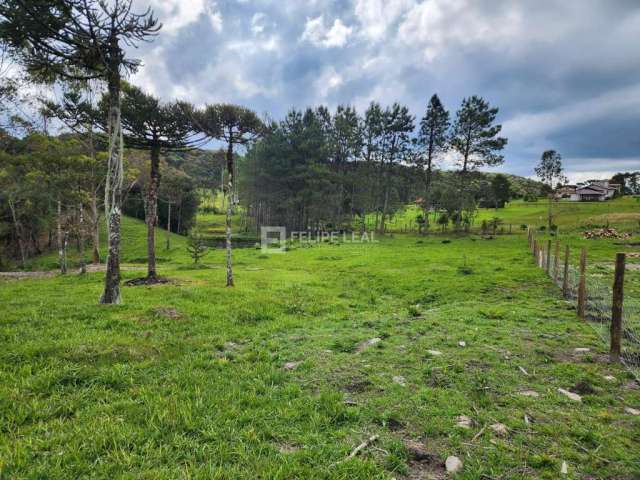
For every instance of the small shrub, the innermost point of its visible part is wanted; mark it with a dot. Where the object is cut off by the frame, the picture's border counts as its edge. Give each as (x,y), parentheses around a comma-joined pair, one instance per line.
(446,241)
(196,246)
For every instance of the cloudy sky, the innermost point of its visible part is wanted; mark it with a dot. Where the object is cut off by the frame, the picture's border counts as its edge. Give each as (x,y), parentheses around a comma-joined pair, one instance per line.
(565,73)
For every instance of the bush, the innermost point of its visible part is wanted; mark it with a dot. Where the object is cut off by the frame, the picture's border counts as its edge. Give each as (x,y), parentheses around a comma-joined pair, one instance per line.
(196,246)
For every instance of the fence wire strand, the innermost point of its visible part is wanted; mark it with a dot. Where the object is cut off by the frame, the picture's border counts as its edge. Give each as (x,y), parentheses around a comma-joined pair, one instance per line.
(598,305)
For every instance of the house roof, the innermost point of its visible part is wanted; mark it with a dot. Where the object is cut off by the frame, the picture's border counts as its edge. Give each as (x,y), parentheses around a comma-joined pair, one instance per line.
(591,190)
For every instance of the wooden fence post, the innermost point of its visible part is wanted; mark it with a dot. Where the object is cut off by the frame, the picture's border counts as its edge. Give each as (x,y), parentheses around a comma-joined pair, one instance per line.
(548,266)
(565,278)
(556,260)
(582,287)
(616,309)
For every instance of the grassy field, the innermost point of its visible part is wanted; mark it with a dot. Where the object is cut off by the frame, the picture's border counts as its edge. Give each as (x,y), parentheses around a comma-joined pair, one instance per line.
(271,379)
(622,212)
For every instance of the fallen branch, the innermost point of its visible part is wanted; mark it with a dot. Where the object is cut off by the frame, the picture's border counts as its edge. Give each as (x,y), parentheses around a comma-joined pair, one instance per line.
(358,449)
(477,435)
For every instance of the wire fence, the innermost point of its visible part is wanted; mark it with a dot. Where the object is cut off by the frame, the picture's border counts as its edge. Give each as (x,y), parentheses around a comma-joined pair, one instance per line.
(594,296)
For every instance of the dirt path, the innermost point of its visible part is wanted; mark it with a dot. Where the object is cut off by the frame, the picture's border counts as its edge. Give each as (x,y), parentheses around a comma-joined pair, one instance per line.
(20,275)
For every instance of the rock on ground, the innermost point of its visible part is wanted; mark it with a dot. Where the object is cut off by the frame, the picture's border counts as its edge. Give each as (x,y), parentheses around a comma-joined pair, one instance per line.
(500,429)
(464,422)
(291,365)
(632,411)
(434,353)
(570,395)
(399,379)
(453,464)
(368,343)
(529,393)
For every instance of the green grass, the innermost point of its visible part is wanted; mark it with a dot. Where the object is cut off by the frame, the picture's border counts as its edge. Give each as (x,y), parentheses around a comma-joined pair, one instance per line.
(623,213)
(186,380)
(134,248)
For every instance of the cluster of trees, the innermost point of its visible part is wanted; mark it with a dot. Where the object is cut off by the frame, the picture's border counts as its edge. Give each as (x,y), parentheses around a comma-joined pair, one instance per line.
(317,169)
(78,46)
(630,182)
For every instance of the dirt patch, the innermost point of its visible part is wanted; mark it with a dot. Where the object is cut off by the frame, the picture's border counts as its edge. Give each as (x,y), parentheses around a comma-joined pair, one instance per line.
(25,275)
(583,388)
(167,312)
(136,282)
(357,385)
(423,464)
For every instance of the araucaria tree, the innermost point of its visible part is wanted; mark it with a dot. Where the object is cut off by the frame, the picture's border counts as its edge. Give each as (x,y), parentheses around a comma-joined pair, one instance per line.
(158,128)
(83,40)
(475,137)
(234,125)
(548,170)
(433,141)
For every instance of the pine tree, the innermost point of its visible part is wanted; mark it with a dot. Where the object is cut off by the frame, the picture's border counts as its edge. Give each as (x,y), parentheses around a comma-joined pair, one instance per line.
(433,140)
(474,135)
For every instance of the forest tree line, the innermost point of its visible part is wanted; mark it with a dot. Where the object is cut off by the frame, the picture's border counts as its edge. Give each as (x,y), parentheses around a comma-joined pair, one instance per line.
(319,169)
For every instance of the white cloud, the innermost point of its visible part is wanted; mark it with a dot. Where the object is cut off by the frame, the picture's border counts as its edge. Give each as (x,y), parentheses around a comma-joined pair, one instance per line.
(258,23)
(316,33)
(328,81)
(376,16)
(176,14)
(436,26)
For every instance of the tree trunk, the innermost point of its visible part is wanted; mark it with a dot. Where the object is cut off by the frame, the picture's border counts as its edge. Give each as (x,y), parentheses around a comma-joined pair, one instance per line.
(168,245)
(95,226)
(151,212)
(550,214)
(113,185)
(18,228)
(62,260)
(229,210)
(83,265)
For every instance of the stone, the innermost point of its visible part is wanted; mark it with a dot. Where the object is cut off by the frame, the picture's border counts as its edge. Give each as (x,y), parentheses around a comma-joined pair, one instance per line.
(609,378)
(453,464)
(500,429)
(462,343)
(564,469)
(368,343)
(632,411)
(581,350)
(400,380)
(464,422)
(291,365)
(434,353)
(570,395)
(529,393)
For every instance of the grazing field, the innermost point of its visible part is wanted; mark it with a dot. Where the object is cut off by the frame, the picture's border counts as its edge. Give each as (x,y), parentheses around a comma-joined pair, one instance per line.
(314,351)
(569,216)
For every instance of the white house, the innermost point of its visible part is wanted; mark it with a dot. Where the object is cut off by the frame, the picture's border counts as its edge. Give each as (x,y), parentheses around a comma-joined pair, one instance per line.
(595,191)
